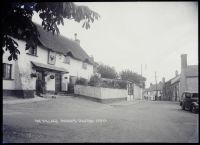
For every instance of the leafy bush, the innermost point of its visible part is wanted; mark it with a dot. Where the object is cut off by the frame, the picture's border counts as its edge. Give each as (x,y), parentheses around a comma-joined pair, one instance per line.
(95,80)
(122,84)
(107,71)
(82,81)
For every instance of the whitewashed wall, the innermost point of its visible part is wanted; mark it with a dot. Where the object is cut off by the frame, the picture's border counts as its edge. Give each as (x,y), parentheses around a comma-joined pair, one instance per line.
(138,92)
(108,93)
(100,93)
(9,84)
(22,69)
(90,91)
(50,83)
(75,67)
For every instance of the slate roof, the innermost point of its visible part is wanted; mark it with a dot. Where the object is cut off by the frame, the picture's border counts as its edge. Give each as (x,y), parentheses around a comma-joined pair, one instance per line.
(61,44)
(191,71)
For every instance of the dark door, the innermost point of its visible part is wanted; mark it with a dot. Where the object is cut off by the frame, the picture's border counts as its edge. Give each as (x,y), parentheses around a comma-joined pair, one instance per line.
(40,83)
(57,82)
(130,89)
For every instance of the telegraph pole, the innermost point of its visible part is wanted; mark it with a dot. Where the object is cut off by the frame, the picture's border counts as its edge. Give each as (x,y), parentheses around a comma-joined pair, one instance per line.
(156,86)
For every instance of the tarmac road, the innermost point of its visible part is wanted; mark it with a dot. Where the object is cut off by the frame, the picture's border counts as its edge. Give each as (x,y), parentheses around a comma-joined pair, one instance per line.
(79,120)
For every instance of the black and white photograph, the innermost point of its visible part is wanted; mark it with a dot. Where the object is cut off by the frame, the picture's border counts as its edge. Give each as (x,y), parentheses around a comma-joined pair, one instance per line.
(100,72)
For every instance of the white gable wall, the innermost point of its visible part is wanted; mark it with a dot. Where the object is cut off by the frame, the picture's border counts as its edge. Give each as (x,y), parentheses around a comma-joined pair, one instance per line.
(24,63)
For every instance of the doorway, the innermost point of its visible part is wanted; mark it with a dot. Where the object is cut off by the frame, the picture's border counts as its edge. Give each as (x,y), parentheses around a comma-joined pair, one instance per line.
(40,83)
(57,82)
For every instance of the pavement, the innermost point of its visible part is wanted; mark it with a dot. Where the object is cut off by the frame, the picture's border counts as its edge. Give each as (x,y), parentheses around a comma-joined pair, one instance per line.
(14,100)
(73,119)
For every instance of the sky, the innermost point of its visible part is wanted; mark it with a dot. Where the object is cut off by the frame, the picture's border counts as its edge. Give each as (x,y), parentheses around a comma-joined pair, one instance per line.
(145,37)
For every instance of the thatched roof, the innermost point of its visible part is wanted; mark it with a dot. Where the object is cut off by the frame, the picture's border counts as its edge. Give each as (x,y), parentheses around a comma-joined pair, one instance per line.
(61,44)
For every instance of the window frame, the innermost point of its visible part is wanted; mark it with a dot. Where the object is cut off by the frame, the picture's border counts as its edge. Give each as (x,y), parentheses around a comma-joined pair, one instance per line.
(67,62)
(34,54)
(84,65)
(10,73)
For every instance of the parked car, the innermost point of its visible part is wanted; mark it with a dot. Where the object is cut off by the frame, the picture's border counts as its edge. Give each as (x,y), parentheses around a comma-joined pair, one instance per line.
(190,100)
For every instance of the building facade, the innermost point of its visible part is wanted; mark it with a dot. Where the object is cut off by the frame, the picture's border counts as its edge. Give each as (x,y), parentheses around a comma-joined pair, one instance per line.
(171,89)
(188,77)
(187,80)
(154,92)
(55,64)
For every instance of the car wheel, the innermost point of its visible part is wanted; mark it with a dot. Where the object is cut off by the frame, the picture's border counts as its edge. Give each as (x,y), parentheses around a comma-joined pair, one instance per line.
(183,107)
(193,109)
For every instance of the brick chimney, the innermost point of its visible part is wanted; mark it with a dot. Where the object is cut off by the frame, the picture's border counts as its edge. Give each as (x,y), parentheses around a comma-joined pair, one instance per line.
(77,40)
(183,61)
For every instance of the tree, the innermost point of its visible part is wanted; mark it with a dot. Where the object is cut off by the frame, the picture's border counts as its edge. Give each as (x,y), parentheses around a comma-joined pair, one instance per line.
(131,76)
(16,21)
(107,71)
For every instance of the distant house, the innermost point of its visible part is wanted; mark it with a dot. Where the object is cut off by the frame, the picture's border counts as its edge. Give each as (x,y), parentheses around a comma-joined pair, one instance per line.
(171,89)
(186,81)
(57,62)
(154,92)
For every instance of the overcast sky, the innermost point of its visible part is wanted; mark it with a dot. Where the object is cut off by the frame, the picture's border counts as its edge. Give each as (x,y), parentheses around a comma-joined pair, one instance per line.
(131,34)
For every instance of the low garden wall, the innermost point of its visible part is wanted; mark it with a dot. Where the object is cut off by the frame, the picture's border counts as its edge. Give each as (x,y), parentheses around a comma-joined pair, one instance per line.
(103,94)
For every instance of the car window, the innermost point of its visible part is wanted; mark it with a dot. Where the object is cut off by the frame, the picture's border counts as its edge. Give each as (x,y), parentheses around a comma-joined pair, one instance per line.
(187,95)
(195,95)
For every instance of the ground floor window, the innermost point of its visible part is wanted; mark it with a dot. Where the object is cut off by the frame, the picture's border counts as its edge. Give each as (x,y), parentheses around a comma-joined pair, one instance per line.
(7,71)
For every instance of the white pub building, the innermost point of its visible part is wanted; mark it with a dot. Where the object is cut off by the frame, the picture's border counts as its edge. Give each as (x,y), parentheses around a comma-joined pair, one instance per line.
(57,61)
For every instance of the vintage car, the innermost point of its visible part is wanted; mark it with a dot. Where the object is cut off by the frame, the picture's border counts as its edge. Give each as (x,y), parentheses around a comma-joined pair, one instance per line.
(190,100)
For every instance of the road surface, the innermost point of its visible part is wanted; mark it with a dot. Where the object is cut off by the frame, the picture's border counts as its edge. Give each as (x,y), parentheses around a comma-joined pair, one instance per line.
(74,119)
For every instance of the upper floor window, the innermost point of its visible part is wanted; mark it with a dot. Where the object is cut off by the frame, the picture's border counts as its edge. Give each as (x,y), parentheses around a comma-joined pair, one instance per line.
(67,59)
(84,65)
(7,71)
(32,51)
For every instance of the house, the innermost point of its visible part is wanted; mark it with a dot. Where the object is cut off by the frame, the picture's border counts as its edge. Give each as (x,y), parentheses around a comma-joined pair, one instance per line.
(171,89)
(188,77)
(154,92)
(135,91)
(186,81)
(57,62)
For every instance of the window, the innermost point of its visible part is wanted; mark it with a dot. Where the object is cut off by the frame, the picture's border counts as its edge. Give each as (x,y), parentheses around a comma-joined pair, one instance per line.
(67,59)
(32,51)
(187,95)
(195,95)
(7,68)
(84,66)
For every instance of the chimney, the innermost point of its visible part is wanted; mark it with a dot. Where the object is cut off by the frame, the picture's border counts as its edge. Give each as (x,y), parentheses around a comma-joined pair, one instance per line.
(183,61)
(176,73)
(92,58)
(163,79)
(77,40)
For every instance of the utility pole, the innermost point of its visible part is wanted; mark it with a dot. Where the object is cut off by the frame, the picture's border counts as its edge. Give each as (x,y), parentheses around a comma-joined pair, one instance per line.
(156,86)
(141,69)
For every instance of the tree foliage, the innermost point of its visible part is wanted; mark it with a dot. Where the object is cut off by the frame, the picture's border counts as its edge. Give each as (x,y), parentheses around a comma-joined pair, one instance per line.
(107,71)
(131,76)
(16,21)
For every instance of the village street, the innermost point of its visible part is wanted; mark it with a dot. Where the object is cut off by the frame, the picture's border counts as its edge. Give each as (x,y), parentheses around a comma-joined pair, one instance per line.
(79,120)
